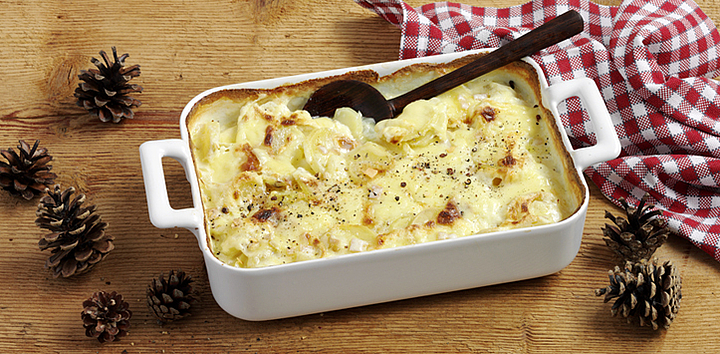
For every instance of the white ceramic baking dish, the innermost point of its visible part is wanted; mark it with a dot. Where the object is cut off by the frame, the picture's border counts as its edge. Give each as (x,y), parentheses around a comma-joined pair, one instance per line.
(390,274)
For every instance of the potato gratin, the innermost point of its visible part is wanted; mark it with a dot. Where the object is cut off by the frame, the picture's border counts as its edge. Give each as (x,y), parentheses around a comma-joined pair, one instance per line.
(279,186)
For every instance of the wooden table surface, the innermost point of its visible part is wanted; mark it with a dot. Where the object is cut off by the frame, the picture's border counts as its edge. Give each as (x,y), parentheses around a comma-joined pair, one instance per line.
(185,47)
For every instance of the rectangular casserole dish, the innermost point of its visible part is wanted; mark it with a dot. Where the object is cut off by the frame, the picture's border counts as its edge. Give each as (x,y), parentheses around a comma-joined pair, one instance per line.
(358,279)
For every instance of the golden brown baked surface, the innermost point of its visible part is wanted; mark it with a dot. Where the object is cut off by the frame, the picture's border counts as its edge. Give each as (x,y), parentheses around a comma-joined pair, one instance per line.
(279,186)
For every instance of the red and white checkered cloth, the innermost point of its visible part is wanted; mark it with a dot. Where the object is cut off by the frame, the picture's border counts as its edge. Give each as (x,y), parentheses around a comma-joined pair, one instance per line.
(653,62)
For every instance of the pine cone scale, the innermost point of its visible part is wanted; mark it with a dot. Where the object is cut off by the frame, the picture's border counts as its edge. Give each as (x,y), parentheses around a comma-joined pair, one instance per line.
(56,259)
(116,111)
(100,102)
(37,185)
(69,267)
(48,239)
(69,245)
(76,230)
(6,167)
(130,71)
(103,246)
(104,116)
(39,158)
(129,101)
(83,255)
(87,86)
(20,186)
(26,147)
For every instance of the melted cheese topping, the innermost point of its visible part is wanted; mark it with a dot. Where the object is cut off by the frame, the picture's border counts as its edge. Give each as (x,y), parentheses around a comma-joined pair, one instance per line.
(279,186)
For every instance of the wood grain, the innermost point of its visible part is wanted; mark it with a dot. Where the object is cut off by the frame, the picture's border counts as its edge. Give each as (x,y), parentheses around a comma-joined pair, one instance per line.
(185,47)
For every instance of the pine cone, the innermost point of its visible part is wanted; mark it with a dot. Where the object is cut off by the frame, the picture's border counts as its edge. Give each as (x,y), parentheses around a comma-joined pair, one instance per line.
(645,290)
(104,92)
(106,316)
(171,300)
(77,238)
(26,173)
(638,236)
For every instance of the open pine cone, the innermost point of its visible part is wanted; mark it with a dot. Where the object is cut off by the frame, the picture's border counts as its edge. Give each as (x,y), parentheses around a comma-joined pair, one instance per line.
(171,300)
(637,236)
(77,236)
(106,316)
(645,290)
(26,172)
(104,92)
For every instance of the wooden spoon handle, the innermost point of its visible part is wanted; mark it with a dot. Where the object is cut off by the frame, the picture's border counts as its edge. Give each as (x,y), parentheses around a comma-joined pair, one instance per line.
(551,32)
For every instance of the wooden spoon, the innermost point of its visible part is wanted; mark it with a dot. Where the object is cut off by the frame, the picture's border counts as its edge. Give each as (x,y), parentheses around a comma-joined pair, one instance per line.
(370,102)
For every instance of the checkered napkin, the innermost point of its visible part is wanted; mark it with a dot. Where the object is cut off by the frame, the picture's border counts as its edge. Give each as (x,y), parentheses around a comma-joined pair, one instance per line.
(653,62)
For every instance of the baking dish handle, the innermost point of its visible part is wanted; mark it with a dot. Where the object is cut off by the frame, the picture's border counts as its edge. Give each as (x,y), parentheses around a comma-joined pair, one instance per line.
(608,145)
(162,215)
